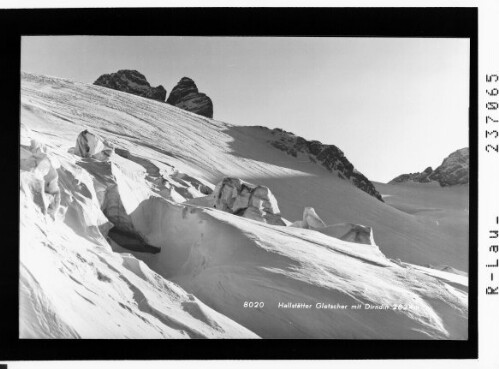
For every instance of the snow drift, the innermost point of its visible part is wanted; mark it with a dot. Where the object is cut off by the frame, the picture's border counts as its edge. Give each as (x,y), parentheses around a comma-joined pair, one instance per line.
(134,248)
(344,231)
(73,286)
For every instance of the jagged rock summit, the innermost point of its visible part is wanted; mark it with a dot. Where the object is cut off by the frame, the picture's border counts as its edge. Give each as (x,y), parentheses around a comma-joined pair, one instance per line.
(132,82)
(453,170)
(329,156)
(185,95)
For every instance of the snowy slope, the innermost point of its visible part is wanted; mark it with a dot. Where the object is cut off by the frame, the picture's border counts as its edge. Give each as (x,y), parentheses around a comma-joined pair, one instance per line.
(211,262)
(446,208)
(210,150)
(72,285)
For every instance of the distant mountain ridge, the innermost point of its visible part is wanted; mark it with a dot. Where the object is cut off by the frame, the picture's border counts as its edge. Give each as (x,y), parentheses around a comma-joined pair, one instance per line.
(185,95)
(453,170)
(329,156)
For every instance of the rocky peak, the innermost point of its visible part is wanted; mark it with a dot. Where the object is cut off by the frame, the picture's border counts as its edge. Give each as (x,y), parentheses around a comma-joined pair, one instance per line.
(133,82)
(453,170)
(329,156)
(185,87)
(185,95)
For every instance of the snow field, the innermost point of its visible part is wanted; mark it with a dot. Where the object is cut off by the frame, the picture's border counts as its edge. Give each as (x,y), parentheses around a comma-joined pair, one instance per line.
(77,281)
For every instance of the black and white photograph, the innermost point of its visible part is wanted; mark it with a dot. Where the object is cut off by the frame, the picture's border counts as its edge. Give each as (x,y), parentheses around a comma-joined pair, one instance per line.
(176,187)
(267,183)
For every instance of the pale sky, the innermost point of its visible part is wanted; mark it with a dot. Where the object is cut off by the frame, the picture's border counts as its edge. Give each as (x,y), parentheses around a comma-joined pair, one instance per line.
(393,105)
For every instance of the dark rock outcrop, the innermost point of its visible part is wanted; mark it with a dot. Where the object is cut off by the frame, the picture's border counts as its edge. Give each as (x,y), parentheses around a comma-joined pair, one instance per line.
(185,95)
(329,156)
(453,170)
(414,177)
(132,82)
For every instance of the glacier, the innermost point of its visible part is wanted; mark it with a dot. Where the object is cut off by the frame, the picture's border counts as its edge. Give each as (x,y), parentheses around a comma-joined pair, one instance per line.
(130,246)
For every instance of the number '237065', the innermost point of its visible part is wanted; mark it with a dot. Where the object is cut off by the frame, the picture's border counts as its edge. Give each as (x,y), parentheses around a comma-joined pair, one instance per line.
(492,108)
